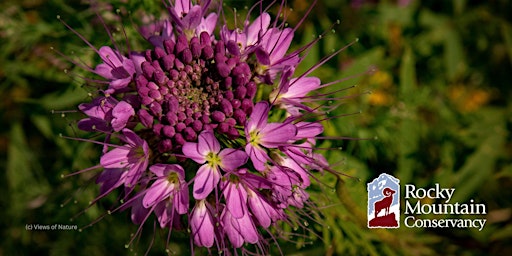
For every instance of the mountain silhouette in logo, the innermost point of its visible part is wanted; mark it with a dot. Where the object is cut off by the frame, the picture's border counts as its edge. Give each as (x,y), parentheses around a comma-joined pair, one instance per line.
(384,221)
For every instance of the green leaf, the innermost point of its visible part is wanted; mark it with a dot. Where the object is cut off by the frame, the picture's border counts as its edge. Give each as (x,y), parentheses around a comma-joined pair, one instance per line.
(480,165)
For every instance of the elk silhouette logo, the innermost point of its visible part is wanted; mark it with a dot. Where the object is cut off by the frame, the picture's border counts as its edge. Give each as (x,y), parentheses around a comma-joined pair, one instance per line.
(384,202)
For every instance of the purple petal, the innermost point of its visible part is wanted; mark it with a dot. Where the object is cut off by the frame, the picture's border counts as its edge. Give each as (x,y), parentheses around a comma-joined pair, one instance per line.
(232,159)
(208,24)
(190,150)
(258,156)
(93,125)
(231,230)
(133,139)
(258,27)
(104,70)
(308,130)
(115,158)
(279,43)
(201,225)
(205,181)
(159,191)
(275,134)
(259,117)
(110,57)
(121,113)
(110,179)
(163,170)
(300,87)
(262,210)
(236,199)
(181,200)
(138,213)
(208,143)
(193,18)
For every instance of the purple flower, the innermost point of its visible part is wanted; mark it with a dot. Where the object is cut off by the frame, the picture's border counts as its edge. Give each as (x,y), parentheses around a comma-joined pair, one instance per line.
(261,134)
(132,157)
(207,152)
(239,230)
(201,225)
(99,113)
(170,185)
(217,113)
(117,68)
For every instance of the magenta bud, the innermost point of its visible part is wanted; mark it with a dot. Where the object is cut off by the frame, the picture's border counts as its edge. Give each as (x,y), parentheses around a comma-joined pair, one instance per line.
(178,64)
(233,48)
(240,116)
(230,121)
(189,134)
(155,108)
(220,48)
(180,127)
(168,61)
(218,116)
(158,53)
(208,52)
(240,92)
(169,131)
(236,103)
(178,138)
(223,69)
(226,84)
(223,128)
(195,49)
(147,69)
(181,44)
(157,129)
(197,125)
(226,107)
(145,118)
(205,39)
(247,106)
(169,46)
(186,56)
(155,94)
(165,146)
(251,90)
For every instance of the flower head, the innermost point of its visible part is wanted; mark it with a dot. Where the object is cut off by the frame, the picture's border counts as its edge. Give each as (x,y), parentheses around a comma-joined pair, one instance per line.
(209,128)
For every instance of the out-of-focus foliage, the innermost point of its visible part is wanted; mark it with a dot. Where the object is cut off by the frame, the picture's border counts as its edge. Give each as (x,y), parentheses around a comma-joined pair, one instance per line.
(433,108)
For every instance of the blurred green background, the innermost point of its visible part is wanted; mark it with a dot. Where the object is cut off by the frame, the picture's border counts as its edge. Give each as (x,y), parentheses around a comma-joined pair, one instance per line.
(435,108)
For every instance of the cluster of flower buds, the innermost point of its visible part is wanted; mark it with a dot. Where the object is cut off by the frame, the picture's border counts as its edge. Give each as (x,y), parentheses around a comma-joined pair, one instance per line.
(210,130)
